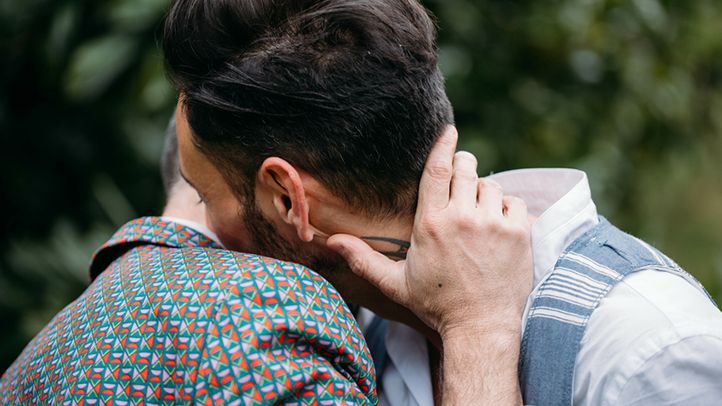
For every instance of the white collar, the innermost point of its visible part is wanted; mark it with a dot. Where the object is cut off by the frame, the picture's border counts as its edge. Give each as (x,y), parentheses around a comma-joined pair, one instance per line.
(562,202)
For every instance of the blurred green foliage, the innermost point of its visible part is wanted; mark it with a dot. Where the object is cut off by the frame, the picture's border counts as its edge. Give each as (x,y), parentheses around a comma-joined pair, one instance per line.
(630,91)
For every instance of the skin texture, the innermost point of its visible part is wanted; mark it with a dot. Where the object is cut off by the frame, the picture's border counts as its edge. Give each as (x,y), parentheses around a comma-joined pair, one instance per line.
(183,203)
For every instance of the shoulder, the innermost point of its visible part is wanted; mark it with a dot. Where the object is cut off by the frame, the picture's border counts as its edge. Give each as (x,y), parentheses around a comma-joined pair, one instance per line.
(647,315)
(211,269)
(235,275)
(286,326)
(207,311)
(216,280)
(259,282)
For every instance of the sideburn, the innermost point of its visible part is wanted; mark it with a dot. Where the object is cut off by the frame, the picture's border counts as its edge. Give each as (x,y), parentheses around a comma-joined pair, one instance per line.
(268,242)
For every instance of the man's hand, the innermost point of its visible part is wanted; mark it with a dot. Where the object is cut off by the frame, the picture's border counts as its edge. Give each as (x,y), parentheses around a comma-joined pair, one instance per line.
(469,264)
(467,274)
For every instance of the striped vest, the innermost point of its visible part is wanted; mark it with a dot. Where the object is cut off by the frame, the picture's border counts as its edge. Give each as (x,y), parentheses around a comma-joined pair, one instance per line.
(584,274)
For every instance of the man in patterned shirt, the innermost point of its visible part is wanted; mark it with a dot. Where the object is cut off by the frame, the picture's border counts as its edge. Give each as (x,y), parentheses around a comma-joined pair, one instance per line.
(171,317)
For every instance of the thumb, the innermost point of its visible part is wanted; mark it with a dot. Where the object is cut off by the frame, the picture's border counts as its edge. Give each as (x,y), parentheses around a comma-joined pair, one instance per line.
(387,275)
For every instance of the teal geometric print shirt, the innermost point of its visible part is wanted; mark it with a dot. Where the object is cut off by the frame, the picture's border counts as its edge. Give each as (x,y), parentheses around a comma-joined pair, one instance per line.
(171,318)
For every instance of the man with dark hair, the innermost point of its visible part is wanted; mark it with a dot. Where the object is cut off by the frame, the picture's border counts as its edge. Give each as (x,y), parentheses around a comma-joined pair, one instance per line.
(302,120)
(321,83)
(173,318)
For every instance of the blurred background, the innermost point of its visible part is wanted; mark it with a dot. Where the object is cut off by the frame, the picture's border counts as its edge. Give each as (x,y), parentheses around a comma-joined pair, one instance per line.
(630,91)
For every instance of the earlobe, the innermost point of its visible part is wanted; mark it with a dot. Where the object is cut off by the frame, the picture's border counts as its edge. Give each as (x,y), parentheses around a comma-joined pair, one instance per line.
(284,183)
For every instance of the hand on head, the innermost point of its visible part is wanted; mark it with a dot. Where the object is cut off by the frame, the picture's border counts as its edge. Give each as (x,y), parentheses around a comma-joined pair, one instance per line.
(469,265)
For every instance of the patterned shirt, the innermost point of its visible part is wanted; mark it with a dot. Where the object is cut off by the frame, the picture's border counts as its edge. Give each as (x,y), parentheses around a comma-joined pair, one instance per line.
(172,318)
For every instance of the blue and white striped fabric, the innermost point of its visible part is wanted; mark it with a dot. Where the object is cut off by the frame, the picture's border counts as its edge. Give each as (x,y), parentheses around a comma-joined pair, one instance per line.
(583,276)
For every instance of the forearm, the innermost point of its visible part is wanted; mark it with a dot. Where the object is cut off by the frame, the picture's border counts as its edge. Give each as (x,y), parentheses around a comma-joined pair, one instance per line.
(481,369)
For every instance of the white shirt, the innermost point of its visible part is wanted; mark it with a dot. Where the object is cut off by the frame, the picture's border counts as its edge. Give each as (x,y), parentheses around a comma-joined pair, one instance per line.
(655,339)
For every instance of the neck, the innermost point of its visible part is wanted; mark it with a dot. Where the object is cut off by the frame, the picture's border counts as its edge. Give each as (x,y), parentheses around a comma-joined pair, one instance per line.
(183,203)
(375,301)
(390,237)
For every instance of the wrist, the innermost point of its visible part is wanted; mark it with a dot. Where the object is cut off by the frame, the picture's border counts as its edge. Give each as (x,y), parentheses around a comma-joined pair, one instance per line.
(501,340)
(501,330)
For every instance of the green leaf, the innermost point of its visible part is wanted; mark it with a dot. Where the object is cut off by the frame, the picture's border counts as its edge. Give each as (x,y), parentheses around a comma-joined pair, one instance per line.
(95,65)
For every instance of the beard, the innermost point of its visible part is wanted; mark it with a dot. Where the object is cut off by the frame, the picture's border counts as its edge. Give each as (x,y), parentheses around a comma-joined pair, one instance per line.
(265,240)
(268,242)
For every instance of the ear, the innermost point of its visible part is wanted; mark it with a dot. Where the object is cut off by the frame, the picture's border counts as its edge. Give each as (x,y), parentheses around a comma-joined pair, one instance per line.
(284,183)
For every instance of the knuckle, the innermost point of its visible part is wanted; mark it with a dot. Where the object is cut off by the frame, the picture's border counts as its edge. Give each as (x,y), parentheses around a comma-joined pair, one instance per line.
(429,225)
(388,288)
(465,156)
(488,184)
(494,226)
(466,221)
(465,175)
(438,170)
(358,265)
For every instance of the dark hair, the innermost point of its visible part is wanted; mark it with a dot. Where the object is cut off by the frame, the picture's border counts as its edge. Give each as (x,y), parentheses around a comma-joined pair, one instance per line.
(169,166)
(347,90)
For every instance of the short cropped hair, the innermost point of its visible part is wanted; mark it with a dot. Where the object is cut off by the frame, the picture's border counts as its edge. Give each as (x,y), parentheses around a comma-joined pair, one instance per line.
(347,90)
(169,165)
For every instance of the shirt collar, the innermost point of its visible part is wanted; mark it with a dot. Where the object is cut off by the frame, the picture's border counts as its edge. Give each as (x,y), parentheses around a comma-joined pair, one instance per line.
(201,228)
(148,230)
(562,202)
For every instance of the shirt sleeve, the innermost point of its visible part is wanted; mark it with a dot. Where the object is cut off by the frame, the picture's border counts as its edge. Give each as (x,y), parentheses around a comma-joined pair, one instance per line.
(687,372)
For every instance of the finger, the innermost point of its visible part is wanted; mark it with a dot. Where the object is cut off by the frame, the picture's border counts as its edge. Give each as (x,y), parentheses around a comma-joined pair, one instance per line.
(516,209)
(490,197)
(377,269)
(434,186)
(464,181)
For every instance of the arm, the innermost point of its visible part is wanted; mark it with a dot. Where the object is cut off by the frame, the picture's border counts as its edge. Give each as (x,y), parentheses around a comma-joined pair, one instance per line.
(481,368)
(467,275)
